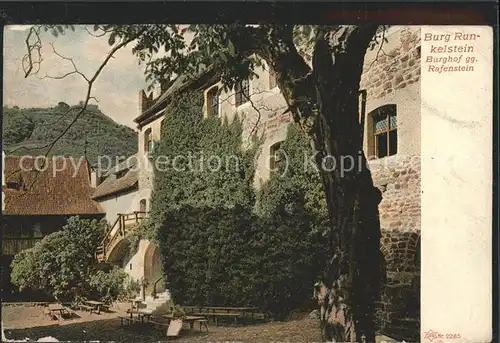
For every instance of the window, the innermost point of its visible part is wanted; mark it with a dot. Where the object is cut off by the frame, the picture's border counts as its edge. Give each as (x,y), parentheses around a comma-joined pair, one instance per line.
(148,141)
(272,79)
(242,92)
(37,230)
(213,102)
(161,127)
(142,205)
(385,131)
(274,156)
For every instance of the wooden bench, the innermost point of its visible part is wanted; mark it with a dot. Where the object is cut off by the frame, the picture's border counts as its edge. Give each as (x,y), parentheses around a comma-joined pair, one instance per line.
(218,315)
(158,324)
(128,320)
(203,322)
(57,311)
(104,308)
(87,308)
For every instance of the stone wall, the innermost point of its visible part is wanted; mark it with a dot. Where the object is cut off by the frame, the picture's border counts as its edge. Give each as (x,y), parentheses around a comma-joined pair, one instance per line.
(393,65)
(398,311)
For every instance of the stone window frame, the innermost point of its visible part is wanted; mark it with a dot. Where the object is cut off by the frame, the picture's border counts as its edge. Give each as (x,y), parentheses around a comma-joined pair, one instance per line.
(273,83)
(161,127)
(148,140)
(212,100)
(143,205)
(242,92)
(390,111)
(273,154)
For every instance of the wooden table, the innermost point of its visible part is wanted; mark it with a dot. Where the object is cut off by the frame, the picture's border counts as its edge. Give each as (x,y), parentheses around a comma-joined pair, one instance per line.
(134,303)
(218,315)
(188,319)
(243,310)
(96,305)
(141,314)
(57,308)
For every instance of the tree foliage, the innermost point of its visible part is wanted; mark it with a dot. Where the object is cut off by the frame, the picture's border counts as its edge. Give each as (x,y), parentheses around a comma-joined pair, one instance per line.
(63,264)
(93,135)
(199,162)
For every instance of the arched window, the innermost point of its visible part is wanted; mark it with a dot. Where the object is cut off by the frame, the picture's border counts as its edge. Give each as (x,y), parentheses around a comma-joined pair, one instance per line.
(142,205)
(242,92)
(272,79)
(274,155)
(161,128)
(148,140)
(213,101)
(385,131)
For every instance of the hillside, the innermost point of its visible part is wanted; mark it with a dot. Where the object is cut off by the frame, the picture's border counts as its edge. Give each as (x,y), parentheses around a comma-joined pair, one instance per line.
(35,127)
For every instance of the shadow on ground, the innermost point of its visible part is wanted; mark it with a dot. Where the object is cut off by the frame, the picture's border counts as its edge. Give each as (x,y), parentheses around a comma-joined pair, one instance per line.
(102,330)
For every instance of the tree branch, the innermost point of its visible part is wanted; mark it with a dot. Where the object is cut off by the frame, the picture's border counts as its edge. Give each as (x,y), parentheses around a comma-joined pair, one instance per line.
(88,96)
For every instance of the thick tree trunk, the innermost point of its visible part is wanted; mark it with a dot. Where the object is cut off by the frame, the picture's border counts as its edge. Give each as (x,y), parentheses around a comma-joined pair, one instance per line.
(351,280)
(325,101)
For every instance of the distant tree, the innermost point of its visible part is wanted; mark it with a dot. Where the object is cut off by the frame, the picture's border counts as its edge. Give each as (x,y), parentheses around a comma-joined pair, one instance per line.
(17,129)
(62,106)
(63,264)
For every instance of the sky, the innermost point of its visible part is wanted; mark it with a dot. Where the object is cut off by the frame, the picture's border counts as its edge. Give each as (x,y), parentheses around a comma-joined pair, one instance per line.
(116,88)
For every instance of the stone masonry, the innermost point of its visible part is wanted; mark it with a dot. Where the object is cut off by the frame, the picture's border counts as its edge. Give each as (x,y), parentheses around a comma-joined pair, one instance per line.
(394,66)
(392,76)
(398,178)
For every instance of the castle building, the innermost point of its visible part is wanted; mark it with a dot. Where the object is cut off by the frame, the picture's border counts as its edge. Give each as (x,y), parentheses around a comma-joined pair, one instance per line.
(390,114)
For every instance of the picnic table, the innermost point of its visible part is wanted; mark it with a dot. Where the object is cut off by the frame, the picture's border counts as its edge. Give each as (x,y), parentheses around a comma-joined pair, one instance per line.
(141,314)
(223,312)
(231,309)
(187,319)
(53,308)
(134,303)
(94,306)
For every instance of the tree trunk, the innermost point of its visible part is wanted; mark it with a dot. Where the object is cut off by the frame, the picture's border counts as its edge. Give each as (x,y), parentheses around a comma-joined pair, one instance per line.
(351,280)
(324,101)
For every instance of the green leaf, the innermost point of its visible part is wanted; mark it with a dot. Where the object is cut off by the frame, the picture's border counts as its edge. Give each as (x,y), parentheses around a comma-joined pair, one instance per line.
(230,46)
(223,56)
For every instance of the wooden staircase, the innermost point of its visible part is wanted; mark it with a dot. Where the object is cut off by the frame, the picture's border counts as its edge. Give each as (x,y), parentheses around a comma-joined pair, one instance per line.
(116,232)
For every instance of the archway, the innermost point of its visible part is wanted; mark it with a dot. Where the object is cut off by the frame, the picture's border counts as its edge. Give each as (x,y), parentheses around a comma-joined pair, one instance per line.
(118,253)
(153,269)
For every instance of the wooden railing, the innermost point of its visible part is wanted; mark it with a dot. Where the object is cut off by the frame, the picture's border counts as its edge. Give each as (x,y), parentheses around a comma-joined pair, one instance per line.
(13,245)
(117,231)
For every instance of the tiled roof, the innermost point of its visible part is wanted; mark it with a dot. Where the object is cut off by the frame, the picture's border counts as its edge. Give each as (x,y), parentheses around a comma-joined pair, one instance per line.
(60,186)
(113,184)
(182,82)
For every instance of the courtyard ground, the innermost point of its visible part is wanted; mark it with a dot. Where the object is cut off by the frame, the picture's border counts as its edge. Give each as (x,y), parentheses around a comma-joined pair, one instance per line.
(20,322)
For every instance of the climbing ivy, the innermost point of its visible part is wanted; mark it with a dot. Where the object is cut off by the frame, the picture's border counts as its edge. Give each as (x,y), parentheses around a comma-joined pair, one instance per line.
(223,242)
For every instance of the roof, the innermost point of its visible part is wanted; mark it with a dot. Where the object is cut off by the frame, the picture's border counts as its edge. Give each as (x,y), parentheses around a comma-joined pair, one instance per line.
(181,83)
(60,186)
(130,162)
(113,184)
